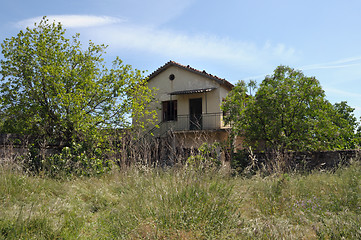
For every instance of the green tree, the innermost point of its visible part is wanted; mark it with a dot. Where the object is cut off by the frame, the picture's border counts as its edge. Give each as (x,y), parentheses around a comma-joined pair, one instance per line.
(235,105)
(234,108)
(289,111)
(347,124)
(57,91)
(252,85)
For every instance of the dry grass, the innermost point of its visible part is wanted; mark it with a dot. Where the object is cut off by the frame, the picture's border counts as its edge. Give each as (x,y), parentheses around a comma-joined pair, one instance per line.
(148,203)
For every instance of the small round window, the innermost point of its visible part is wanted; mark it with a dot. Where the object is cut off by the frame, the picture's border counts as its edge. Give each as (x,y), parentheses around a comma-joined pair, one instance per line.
(171,77)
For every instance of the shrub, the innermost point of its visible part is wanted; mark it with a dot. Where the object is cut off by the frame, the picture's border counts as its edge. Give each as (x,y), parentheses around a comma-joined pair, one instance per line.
(76,160)
(206,159)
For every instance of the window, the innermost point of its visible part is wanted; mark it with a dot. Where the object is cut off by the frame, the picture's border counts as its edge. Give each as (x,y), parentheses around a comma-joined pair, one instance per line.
(169,110)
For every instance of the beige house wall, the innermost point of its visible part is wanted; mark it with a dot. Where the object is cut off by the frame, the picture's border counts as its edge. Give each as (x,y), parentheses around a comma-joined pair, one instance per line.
(185,80)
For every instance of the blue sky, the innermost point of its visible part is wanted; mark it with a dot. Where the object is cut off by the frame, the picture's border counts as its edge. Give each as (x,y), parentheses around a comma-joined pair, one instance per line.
(233,39)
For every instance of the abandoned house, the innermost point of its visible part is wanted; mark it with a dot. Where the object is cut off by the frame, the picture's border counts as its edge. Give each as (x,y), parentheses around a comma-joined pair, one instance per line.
(188,104)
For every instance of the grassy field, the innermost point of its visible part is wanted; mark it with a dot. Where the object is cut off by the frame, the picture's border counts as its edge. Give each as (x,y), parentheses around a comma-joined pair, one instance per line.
(144,203)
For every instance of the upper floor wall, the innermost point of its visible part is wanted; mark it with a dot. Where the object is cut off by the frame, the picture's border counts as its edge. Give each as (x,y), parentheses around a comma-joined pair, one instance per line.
(187,92)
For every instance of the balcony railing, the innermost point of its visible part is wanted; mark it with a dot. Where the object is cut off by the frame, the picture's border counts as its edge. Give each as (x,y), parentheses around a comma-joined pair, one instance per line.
(209,121)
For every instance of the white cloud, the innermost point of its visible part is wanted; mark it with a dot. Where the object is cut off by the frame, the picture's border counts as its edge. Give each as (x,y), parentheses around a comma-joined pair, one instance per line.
(175,44)
(121,34)
(73,21)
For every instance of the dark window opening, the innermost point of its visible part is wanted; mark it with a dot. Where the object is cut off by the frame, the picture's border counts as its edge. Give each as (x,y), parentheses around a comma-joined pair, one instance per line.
(195,112)
(169,109)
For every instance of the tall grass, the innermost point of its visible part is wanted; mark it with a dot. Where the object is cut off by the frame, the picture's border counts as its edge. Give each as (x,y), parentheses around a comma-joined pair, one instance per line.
(150,203)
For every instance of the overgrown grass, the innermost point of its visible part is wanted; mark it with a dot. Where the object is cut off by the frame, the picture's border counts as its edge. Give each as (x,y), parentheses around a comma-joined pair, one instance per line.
(144,203)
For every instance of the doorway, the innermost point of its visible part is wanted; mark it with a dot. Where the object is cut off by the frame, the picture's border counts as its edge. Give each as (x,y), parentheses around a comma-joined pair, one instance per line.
(195,114)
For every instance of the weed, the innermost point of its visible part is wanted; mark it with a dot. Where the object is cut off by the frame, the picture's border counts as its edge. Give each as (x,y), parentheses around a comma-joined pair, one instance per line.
(184,203)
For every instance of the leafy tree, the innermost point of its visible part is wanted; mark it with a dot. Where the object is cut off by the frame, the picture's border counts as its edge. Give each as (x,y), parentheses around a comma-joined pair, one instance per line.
(358,137)
(235,104)
(234,108)
(347,124)
(57,91)
(289,111)
(252,85)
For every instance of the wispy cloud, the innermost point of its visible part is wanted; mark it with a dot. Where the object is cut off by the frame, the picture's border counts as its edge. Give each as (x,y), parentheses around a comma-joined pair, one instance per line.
(121,34)
(171,43)
(73,21)
(342,63)
(343,93)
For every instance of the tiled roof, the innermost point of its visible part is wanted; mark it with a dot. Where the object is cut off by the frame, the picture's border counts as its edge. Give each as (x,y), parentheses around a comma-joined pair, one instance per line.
(221,81)
(192,91)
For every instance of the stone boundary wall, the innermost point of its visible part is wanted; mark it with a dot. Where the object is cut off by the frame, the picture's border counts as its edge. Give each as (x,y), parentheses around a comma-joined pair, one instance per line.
(287,161)
(316,160)
(13,146)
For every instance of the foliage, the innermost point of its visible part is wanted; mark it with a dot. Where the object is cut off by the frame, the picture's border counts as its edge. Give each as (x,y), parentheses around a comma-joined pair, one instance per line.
(55,91)
(240,160)
(76,160)
(207,158)
(245,162)
(235,105)
(252,85)
(348,125)
(288,112)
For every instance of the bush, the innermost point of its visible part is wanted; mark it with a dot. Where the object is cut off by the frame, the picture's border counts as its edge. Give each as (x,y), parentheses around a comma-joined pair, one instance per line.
(240,160)
(76,160)
(206,159)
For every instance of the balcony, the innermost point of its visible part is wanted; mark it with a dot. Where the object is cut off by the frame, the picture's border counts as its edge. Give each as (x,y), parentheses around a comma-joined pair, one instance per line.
(209,121)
